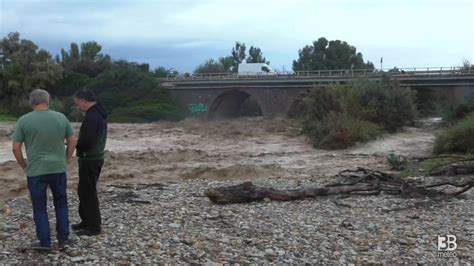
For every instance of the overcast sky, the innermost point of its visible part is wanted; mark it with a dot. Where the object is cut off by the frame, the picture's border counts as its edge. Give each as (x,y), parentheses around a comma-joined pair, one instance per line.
(184,33)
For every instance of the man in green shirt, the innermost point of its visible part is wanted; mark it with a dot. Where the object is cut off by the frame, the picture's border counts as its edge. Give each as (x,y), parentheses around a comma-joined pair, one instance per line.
(43,132)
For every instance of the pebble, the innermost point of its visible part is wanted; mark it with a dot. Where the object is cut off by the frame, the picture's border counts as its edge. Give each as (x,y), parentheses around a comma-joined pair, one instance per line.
(178,226)
(269,252)
(77,259)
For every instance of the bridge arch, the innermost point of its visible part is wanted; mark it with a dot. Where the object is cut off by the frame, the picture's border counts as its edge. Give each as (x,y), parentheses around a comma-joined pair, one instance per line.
(230,104)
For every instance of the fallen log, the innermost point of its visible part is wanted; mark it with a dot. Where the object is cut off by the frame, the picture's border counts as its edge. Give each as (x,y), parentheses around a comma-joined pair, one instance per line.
(355,182)
(248,192)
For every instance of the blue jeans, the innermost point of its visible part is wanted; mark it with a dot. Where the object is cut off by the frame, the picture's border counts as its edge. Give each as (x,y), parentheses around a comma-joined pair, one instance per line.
(38,185)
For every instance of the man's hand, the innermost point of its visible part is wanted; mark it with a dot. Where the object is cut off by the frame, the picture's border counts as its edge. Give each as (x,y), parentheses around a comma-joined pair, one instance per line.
(18,153)
(71,145)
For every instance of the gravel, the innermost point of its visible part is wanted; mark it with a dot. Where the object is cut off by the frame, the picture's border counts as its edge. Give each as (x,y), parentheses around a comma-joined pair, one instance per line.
(176,223)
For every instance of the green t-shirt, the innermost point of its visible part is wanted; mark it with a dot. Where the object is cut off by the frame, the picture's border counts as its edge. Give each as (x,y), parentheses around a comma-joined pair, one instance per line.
(43,133)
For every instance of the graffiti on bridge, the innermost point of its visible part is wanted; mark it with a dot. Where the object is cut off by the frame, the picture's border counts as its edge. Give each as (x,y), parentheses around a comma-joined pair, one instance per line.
(197,108)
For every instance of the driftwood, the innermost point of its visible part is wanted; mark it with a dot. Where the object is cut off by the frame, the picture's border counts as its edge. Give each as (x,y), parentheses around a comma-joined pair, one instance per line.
(354,182)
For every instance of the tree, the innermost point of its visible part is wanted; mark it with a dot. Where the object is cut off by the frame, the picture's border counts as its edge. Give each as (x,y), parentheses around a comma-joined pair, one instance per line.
(162,72)
(210,66)
(87,60)
(231,63)
(25,67)
(228,64)
(326,55)
(256,56)
(81,65)
(238,53)
(133,95)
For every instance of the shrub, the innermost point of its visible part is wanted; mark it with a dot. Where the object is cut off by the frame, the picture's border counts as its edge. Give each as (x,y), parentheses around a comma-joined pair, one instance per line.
(131,95)
(340,130)
(452,114)
(397,161)
(458,138)
(7,118)
(388,105)
(340,116)
(148,112)
(57,105)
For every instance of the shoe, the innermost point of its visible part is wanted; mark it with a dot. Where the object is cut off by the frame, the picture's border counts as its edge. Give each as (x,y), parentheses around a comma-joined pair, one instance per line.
(62,245)
(78,226)
(88,232)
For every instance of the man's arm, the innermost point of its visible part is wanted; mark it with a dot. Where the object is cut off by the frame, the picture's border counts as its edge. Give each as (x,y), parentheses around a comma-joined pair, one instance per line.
(18,153)
(87,134)
(71,145)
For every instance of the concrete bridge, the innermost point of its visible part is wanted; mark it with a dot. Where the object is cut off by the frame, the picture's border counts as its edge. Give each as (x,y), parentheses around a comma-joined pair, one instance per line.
(221,95)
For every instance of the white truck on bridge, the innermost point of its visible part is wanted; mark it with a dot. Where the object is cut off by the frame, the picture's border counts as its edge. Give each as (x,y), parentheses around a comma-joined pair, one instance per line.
(255,69)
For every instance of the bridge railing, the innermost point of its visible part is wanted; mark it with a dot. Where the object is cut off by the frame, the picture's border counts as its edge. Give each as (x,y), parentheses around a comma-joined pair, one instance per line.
(420,71)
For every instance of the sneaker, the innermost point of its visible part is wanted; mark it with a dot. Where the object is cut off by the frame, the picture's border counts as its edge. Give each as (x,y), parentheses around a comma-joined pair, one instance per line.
(88,232)
(62,245)
(78,226)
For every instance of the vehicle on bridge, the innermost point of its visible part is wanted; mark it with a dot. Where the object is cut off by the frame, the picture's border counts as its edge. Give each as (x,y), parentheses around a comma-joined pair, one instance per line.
(255,69)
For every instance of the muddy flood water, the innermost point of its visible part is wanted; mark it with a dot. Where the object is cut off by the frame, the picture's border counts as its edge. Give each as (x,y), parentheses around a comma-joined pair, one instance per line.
(241,149)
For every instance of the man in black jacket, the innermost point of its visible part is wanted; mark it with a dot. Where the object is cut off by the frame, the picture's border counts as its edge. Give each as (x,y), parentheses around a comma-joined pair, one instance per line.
(90,150)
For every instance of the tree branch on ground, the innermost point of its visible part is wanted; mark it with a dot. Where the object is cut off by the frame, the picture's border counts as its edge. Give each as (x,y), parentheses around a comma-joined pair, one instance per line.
(354,182)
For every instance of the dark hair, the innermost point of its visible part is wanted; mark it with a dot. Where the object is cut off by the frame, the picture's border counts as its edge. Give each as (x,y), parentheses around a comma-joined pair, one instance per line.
(85,94)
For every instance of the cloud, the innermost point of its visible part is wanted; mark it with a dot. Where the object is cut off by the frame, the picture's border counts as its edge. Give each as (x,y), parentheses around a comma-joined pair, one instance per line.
(397,30)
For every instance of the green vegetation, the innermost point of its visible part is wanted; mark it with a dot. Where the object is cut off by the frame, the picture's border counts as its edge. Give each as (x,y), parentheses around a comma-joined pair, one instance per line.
(457,139)
(452,114)
(336,118)
(128,89)
(231,63)
(27,67)
(396,161)
(324,54)
(341,116)
(467,66)
(430,166)
(7,118)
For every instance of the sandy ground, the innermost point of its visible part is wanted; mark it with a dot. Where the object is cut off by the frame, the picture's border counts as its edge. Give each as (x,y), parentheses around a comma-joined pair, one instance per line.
(242,149)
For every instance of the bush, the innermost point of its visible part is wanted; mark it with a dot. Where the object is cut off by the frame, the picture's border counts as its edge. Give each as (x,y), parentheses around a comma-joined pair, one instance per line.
(459,138)
(132,95)
(57,105)
(340,130)
(340,116)
(7,118)
(387,105)
(149,112)
(397,161)
(452,114)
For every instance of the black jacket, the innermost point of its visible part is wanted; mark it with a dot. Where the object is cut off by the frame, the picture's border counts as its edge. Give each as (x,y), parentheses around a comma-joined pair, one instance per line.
(93,134)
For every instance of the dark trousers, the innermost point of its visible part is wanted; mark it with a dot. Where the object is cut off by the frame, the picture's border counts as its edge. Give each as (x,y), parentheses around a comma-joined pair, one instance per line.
(89,172)
(38,186)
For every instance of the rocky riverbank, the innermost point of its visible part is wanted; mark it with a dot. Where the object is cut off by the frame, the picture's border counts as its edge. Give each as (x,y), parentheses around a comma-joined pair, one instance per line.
(175,223)
(154,209)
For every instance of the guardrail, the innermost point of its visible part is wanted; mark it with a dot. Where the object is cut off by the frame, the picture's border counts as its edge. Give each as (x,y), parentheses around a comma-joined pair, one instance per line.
(433,71)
